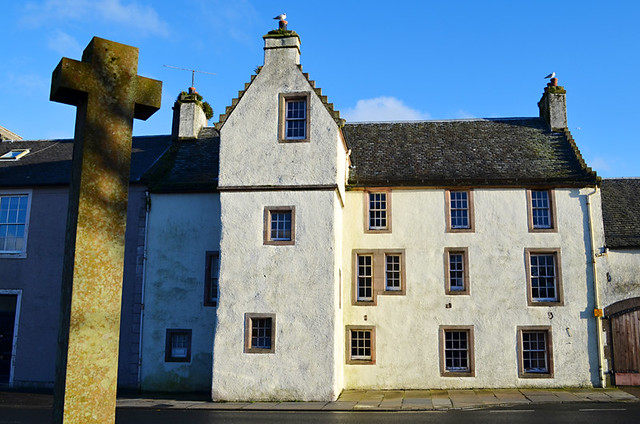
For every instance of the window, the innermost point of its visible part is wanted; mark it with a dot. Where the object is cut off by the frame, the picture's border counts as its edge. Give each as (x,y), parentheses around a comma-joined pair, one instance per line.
(541,211)
(456,351)
(535,352)
(211,275)
(178,345)
(361,345)
(378,212)
(279,225)
(294,117)
(459,210)
(544,279)
(15,154)
(14,213)
(377,272)
(259,336)
(456,270)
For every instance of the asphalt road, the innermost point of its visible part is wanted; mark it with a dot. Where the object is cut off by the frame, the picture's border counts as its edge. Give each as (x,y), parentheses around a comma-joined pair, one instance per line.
(578,413)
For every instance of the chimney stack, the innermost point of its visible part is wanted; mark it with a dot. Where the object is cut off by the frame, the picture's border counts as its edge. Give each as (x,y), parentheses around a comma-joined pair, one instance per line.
(281,48)
(553,106)
(188,116)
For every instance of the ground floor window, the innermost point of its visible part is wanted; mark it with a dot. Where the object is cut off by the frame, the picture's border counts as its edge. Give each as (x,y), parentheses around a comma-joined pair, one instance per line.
(456,351)
(361,345)
(178,345)
(259,333)
(535,352)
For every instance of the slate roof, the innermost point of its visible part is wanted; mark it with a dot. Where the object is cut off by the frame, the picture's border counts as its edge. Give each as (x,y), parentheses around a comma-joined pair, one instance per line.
(621,212)
(189,165)
(479,152)
(49,162)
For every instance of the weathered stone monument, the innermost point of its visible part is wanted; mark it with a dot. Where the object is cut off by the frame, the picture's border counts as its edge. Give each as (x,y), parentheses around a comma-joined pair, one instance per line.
(109,95)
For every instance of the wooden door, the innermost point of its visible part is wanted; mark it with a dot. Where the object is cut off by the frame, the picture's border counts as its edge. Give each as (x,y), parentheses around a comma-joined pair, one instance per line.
(626,347)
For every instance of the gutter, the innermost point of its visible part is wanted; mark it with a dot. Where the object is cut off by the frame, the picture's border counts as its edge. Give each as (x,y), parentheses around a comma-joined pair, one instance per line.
(147,208)
(596,294)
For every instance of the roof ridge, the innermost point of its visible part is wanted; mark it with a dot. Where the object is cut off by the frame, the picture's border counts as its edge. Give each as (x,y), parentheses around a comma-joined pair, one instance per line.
(409,121)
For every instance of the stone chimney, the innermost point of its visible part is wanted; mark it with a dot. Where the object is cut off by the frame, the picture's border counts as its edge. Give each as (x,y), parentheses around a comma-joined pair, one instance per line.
(553,106)
(188,116)
(281,48)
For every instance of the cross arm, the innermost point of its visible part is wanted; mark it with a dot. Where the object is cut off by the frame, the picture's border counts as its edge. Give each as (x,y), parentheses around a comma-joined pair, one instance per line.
(148,95)
(68,82)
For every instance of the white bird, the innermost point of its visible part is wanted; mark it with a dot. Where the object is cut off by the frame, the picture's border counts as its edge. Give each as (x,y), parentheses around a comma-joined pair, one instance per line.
(281,17)
(551,75)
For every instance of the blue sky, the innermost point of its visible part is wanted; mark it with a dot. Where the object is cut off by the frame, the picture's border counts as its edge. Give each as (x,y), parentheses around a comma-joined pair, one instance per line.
(375,60)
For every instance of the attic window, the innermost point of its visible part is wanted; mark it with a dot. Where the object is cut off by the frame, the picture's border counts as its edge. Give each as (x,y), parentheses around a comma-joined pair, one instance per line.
(14,154)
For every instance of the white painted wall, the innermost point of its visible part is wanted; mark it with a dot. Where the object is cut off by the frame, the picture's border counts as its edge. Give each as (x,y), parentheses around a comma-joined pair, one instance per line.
(182,227)
(623,266)
(407,326)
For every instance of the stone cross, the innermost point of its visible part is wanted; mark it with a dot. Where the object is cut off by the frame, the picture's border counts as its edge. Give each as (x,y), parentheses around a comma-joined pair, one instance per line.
(109,94)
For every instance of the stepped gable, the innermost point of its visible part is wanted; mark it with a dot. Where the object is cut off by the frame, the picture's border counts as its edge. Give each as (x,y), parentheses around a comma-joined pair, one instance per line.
(621,212)
(507,152)
(49,161)
(188,165)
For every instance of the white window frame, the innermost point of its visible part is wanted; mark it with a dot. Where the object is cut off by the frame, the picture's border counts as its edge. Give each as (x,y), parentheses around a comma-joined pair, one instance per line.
(16,326)
(23,252)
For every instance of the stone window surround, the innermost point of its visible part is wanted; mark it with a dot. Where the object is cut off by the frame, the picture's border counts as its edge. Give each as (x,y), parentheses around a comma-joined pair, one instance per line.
(267,225)
(470,210)
(23,253)
(558,269)
(367,229)
(168,357)
(464,251)
(379,264)
(348,332)
(552,212)
(282,110)
(248,321)
(470,350)
(549,351)
(209,257)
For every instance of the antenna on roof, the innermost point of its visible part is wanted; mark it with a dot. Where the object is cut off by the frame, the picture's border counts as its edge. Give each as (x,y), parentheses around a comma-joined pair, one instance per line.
(193,73)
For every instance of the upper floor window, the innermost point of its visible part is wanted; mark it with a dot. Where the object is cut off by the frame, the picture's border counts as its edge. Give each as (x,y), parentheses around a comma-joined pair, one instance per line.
(541,210)
(294,117)
(211,276)
(544,277)
(459,210)
(14,217)
(378,211)
(377,272)
(456,270)
(279,225)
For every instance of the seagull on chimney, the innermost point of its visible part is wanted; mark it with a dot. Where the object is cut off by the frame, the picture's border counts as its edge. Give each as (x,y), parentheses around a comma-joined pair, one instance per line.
(551,75)
(281,17)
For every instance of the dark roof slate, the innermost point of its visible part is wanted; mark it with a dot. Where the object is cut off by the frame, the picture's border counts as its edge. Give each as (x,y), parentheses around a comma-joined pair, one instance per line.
(621,212)
(479,152)
(49,161)
(189,165)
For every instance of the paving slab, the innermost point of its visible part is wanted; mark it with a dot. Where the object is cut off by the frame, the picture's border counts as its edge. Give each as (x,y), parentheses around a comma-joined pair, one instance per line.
(226,405)
(367,404)
(566,396)
(620,395)
(391,403)
(301,406)
(339,406)
(421,394)
(420,403)
(261,405)
(510,396)
(464,399)
(351,395)
(543,398)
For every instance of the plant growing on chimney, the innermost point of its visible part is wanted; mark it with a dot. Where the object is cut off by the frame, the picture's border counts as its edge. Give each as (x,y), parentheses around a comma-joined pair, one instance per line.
(186,97)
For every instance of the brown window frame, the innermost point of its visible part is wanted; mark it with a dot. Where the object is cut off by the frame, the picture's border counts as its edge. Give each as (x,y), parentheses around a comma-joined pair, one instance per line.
(552,212)
(209,257)
(248,332)
(349,331)
(170,332)
(267,240)
(379,275)
(283,98)
(548,347)
(367,227)
(470,211)
(555,252)
(464,251)
(468,329)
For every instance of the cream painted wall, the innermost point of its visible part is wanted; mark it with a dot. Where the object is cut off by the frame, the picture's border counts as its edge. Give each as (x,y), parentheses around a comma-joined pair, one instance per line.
(181,229)
(407,326)
(623,266)
(296,282)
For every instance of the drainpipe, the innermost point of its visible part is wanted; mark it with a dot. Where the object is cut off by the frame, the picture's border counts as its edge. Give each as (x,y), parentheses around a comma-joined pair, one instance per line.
(596,293)
(147,208)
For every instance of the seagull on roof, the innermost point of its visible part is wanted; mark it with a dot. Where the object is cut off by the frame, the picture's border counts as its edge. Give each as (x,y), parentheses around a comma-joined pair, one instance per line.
(281,17)
(551,75)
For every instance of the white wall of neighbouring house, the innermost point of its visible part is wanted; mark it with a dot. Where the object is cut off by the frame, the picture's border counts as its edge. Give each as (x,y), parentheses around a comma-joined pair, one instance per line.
(407,344)
(181,229)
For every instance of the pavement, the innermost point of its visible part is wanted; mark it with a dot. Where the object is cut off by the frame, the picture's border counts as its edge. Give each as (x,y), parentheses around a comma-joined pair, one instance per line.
(357,400)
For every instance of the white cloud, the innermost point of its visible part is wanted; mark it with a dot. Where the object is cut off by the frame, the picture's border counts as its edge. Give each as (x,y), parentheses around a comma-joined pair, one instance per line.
(600,164)
(134,16)
(383,109)
(462,114)
(64,44)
